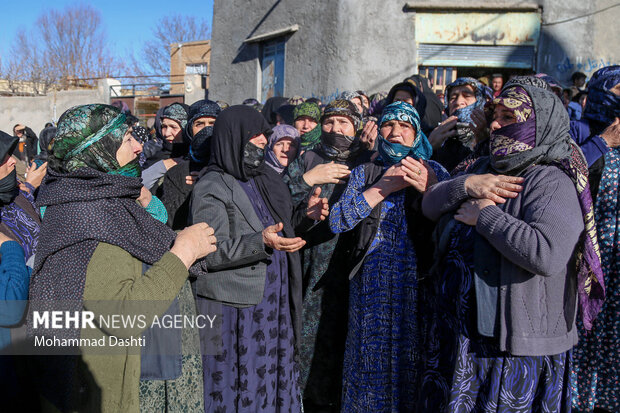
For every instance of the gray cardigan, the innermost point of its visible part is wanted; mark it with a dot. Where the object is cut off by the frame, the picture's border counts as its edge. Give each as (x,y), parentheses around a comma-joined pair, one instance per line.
(237,269)
(533,237)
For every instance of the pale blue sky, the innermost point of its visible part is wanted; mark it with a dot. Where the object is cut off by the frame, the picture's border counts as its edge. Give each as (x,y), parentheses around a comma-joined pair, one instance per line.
(127,23)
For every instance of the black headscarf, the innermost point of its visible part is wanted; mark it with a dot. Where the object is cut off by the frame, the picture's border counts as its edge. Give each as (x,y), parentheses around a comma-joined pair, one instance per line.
(200,146)
(434,106)
(271,107)
(45,137)
(286,112)
(232,131)
(419,100)
(168,149)
(8,184)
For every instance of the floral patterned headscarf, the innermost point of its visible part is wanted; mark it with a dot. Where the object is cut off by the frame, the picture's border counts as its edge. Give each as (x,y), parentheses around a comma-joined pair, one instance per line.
(89,136)
(519,136)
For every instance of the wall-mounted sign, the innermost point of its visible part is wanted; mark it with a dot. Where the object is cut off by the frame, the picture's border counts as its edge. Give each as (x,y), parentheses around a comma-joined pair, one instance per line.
(499,29)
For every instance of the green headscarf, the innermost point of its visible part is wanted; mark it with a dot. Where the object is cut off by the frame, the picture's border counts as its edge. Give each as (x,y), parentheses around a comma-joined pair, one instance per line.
(89,136)
(310,109)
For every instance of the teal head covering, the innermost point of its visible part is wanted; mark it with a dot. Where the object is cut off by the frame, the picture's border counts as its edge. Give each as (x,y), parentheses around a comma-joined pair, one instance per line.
(89,136)
(392,153)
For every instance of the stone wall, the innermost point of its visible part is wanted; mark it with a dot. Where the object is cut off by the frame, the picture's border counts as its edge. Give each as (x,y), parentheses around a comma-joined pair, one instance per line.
(36,111)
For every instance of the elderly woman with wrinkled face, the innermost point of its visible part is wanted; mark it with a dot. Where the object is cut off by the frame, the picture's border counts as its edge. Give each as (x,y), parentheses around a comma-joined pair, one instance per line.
(103,246)
(462,134)
(516,243)
(384,249)
(323,171)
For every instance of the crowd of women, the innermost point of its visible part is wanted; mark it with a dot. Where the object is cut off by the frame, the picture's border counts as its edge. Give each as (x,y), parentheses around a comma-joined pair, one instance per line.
(388,253)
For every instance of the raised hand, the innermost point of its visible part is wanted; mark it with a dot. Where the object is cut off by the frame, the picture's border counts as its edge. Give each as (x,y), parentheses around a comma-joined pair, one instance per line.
(479,126)
(275,241)
(493,187)
(34,175)
(194,242)
(369,134)
(318,208)
(441,133)
(326,173)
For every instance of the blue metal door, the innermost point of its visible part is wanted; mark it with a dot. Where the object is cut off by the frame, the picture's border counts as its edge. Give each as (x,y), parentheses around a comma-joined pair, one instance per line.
(272,67)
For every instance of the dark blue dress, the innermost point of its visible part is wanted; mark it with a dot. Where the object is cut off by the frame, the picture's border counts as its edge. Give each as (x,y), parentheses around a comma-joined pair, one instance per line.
(382,349)
(466,372)
(256,370)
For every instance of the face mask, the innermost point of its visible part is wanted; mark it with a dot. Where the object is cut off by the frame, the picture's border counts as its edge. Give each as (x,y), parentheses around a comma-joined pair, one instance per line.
(392,153)
(339,147)
(8,184)
(200,148)
(513,138)
(253,158)
(337,141)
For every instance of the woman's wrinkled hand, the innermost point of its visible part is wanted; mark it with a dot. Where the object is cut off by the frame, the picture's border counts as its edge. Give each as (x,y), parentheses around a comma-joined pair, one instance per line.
(193,243)
(469,211)
(441,133)
(418,174)
(145,197)
(369,135)
(34,175)
(275,241)
(493,187)
(326,173)
(318,208)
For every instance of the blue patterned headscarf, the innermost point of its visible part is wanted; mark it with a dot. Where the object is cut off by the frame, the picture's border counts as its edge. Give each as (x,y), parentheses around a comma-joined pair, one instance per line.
(464,114)
(603,105)
(392,153)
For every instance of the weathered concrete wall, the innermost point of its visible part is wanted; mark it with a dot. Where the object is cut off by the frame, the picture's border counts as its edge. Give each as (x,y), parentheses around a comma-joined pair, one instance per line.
(235,65)
(585,44)
(340,45)
(370,45)
(35,112)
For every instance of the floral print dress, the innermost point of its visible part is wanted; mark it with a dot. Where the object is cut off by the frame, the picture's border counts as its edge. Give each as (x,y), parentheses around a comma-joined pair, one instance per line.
(256,369)
(383,346)
(596,382)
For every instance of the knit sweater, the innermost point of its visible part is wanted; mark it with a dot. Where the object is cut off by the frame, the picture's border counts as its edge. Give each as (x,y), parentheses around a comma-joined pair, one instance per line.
(114,275)
(533,237)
